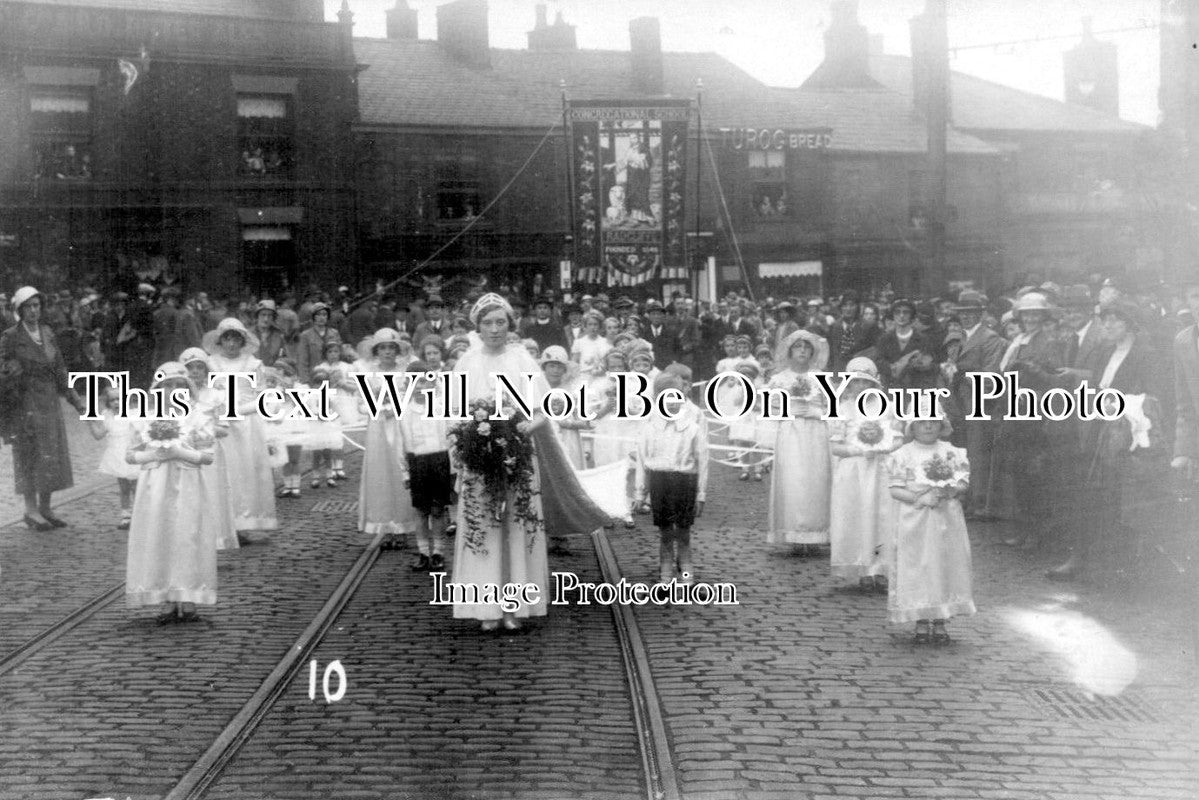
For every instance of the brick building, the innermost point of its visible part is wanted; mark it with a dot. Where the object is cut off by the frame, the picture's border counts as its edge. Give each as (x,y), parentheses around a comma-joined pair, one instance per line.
(204,142)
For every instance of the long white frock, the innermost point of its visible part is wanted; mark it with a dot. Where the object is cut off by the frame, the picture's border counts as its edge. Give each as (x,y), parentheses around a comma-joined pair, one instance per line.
(511,549)
(215,476)
(860,509)
(384,505)
(172,536)
(932,578)
(800,483)
(251,485)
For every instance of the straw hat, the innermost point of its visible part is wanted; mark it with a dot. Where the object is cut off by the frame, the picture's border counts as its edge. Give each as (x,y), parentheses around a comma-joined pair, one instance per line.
(366,348)
(23,295)
(863,368)
(192,355)
(819,349)
(213,337)
(1032,301)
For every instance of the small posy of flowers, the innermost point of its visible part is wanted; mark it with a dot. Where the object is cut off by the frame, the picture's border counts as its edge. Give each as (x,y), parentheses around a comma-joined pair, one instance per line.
(498,450)
(943,471)
(801,388)
(164,433)
(874,436)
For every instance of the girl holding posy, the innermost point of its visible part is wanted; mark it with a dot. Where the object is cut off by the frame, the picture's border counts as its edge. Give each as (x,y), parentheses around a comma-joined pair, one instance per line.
(799,490)
(932,576)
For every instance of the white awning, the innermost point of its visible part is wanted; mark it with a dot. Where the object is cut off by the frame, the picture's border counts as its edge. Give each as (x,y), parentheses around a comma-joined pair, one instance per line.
(265,233)
(790,269)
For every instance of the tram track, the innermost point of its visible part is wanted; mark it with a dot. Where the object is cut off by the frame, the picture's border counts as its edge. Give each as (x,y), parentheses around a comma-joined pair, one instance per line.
(657,767)
(659,779)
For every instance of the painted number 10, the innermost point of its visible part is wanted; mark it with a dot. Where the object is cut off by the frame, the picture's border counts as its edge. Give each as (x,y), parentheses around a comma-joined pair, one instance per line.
(334,668)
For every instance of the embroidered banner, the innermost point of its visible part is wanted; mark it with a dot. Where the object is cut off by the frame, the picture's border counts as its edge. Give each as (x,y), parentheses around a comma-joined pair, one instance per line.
(629,166)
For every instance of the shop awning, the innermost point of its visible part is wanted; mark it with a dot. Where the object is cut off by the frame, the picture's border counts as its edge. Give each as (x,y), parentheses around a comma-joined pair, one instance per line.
(790,269)
(275,215)
(62,76)
(265,233)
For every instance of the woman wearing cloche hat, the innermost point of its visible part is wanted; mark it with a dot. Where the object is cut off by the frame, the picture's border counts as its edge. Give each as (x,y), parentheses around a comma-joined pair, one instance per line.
(32,378)
(1023,448)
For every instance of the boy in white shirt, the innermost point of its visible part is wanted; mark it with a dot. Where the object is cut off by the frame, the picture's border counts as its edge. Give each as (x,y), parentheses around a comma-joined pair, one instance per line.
(673,453)
(430,483)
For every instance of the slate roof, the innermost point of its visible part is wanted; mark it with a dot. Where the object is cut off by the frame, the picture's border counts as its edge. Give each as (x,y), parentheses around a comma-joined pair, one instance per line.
(981,105)
(417,83)
(224,8)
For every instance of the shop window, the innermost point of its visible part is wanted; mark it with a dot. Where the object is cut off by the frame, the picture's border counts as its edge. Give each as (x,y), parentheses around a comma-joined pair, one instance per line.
(457,201)
(268,247)
(61,130)
(768,177)
(265,126)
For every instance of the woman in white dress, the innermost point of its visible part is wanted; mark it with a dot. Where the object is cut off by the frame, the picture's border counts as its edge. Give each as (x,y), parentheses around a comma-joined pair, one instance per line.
(231,348)
(588,350)
(801,483)
(511,549)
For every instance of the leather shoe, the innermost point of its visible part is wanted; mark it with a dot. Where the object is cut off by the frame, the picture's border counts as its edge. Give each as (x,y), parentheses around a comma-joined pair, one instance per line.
(53,520)
(33,524)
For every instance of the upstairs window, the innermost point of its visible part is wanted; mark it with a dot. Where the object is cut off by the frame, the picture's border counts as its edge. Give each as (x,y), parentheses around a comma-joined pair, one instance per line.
(61,130)
(457,201)
(265,132)
(768,179)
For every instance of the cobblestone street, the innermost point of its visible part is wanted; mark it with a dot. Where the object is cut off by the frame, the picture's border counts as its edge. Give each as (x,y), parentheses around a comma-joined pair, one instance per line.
(803,690)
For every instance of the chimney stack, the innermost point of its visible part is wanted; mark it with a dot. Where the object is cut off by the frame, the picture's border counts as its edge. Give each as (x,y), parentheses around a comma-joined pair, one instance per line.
(462,31)
(645,37)
(1091,73)
(846,52)
(558,36)
(402,22)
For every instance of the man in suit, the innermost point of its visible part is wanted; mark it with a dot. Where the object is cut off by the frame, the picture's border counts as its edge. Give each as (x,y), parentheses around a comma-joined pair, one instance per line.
(981,351)
(848,336)
(1186,389)
(360,323)
(574,323)
(660,334)
(687,333)
(434,324)
(542,327)
(1080,329)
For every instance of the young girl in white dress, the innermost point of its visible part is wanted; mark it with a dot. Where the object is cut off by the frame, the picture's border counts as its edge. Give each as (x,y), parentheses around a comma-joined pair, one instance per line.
(932,577)
(343,398)
(216,475)
(615,438)
(172,535)
(801,483)
(383,505)
(231,348)
(860,511)
(118,434)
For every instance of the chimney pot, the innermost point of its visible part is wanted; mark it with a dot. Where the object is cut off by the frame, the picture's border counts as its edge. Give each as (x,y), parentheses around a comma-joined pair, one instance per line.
(540,12)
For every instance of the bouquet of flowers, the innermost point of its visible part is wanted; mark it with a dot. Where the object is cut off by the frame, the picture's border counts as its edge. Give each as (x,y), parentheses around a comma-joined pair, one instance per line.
(943,471)
(800,388)
(498,450)
(875,437)
(164,434)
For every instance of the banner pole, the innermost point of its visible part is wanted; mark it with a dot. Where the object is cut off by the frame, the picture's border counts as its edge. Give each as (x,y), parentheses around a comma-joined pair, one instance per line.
(568,164)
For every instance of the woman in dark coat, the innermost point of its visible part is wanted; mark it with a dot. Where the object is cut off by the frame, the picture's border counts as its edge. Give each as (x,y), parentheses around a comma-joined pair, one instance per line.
(36,377)
(1116,467)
